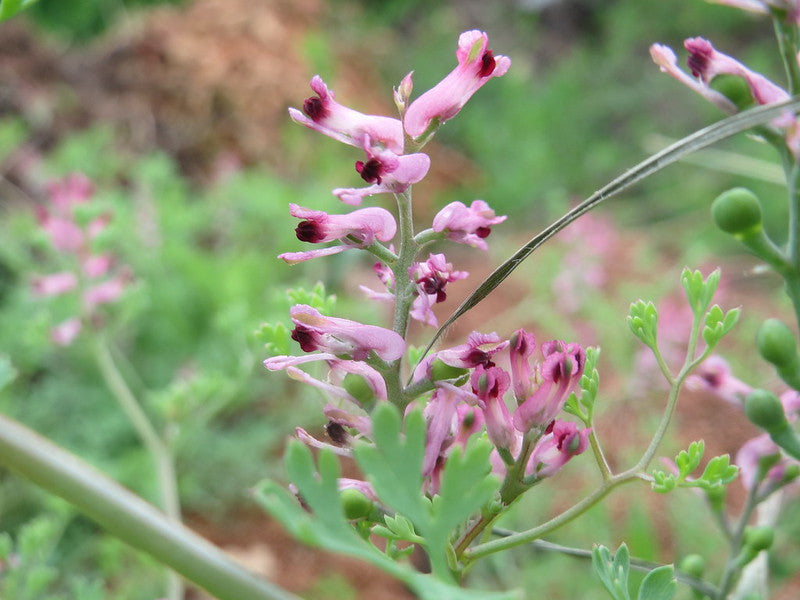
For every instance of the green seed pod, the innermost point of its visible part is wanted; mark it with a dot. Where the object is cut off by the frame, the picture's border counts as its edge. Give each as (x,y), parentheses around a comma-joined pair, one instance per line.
(358,388)
(765,410)
(759,538)
(776,343)
(693,564)
(355,504)
(441,371)
(737,211)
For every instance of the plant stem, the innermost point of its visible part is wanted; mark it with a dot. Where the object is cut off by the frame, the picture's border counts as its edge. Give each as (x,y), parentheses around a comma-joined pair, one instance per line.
(732,568)
(161,455)
(128,517)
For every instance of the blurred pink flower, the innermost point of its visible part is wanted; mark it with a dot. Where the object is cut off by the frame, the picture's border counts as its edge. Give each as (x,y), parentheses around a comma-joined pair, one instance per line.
(467,225)
(54,284)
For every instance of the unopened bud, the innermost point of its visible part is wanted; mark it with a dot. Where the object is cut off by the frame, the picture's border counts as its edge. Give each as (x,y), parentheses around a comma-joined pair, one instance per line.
(759,538)
(355,504)
(776,343)
(737,211)
(693,564)
(440,370)
(765,410)
(358,387)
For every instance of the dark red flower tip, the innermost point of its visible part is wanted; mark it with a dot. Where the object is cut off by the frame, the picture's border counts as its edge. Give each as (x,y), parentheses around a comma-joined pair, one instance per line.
(305,337)
(697,62)
(487,64)
(550,426)
(370,171)
(309,231)
(314,108)
(483,232)
(337,433)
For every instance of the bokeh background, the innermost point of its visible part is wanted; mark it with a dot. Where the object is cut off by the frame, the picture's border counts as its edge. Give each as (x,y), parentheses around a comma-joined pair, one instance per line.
(177,112)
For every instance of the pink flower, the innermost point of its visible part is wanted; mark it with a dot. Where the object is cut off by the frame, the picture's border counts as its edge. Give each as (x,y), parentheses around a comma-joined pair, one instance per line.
(342,337)
(358,229)
(64,233)
(561,442)
(97,265)
(478,350)
(322,113)
(714,375)
(431,277)
(490,385)
(467,225)
(763,7)
(476,65)
(65,333)
(523,345)
(666,60)
(73,189)
(751,454)
(387,172)
(559,373)
(107,291)
(54,284)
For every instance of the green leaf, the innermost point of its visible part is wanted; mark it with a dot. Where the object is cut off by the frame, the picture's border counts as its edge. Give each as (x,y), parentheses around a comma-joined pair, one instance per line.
(719,471)
(394,463)
(664,482)
(659,584)
(613,572)
(275,337)
(699,291)
(718,325)
(315,297)
(8,8)
(688,460)
(643,322)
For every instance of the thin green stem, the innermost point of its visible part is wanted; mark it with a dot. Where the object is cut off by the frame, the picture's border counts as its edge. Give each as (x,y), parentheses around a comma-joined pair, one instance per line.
(786,34)
(732,568)
(599,457)
(128,517)
(159,452)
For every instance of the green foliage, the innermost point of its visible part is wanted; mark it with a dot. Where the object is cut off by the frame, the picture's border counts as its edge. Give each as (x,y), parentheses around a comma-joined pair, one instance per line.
(583,406)
(9,8)
(717,474)
(658,584)
(699,291)
(719,324)
(315,297)
(643,322)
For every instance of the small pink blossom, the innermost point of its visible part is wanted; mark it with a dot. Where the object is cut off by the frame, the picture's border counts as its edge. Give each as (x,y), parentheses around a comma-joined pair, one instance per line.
(490,385)
(714,374)
(73,189)
(323,114)
(358,229)
(561,442)
(387,173)
(342,337)
(64,233)
(523,345)
(431,277)
(476,65)
(54,284)
(467,225)
(107,291)
(559,374)
(751,454)
(97,265)
(478,350)
(65,333)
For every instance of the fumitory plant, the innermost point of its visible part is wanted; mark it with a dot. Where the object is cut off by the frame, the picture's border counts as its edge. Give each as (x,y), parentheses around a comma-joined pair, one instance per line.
(449,438)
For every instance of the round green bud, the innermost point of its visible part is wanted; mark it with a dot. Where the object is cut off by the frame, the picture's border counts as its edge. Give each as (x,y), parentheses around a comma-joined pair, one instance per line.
(737,211)
(693,564)
(734,88)
(759,538)
(776,343)
(441,370)
(791,472)
(358,388)
(355,504)
(765,410)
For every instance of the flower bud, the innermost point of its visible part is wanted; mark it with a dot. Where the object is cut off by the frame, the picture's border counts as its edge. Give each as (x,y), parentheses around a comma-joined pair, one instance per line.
(358,387)
(737,211)
(355,504)
(776,343)
(759,538)
(693,564)
(440,371)
(765,410)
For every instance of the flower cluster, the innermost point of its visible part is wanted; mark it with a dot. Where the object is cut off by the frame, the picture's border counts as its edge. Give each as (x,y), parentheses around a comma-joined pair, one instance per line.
(461,390)
(94,276)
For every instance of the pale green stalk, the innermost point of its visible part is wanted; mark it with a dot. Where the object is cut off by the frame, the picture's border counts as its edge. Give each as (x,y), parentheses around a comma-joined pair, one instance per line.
(159,452)
(128,517)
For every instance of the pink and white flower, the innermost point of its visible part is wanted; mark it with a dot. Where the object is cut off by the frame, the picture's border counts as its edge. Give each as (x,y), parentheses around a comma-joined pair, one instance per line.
(467,225)
(476,65)
(388,173)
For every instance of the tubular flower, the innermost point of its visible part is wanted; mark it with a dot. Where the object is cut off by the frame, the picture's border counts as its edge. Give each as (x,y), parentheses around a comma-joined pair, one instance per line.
(431,277)
(441,414)
(467,225)
(749,458)
(342,337)
(489,385)
(387,173)
(763,7)
(523,345)
(323,114)
(478,350)
(358,229)
(54,284)
(559,373)
(476,65)
(562,441)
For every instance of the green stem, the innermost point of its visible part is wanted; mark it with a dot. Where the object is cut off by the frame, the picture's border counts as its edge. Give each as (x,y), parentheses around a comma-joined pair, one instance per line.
(599,457)
(128,517)
(786,34)
(732,568)
(161,455)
